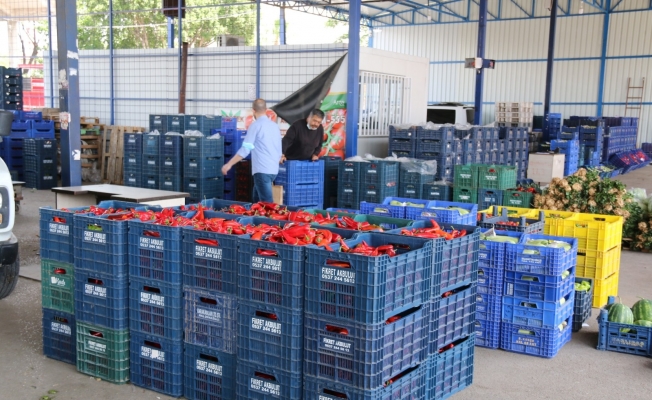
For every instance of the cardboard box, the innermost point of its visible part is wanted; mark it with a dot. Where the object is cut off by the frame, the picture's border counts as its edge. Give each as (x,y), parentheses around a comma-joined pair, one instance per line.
(277,194)
(543,167)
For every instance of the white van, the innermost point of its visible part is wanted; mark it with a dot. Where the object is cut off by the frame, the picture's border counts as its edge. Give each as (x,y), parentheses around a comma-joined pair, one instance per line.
(451,113)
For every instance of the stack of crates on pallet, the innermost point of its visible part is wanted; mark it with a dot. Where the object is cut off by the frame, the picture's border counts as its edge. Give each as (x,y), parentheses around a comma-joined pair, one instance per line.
(156,316)
(132,168)
(591,142)
(442,146)
(491,277)
(151,161)
(303,183)
(378,180)
(512,114)
(40,163)
(571,151)
(331,170)
(243,181)
(366,335)
(413,179)
(552,124)
(11,93)
(210,281)
(205,124)
(618,139)
(539,294)
(348,184)
(233,140)
(203,158)
(402,141)
(11,151)
(171,165)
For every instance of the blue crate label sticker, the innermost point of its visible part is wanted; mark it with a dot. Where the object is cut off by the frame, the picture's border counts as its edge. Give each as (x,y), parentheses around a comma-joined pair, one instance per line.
(348,169)
(282,170)
(483,255)
(192,165)
(152,299)
(208,252)
(530,259)
(133,180)
(151,182)
(48,178)
(169,143)
(168,163)
(151,162)
(267,264)
(192,185)
(266,387)
(411,191)
(167,183)
(47,161)
(58,327)
(95,291)
(58,282)
(371,192)
(92,345)
(192,144)
(371,171)
(491,177)
(152,354)
(131,140)
(60,229)
(95,237)
(348,190)
(338,275)
(152,243)
(210,315)
(132,160)
(526,340)
(208,367)
(621,341)
(267,326)
(435,193)
(336,345)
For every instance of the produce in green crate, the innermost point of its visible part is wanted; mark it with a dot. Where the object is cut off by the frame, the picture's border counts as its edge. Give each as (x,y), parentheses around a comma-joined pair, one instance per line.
(557,244)
(647,324)
(621,314)
(642,310)
(583,286)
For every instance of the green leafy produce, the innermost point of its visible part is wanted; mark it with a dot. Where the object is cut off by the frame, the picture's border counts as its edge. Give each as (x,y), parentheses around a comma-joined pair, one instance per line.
(621,314)
(642,310)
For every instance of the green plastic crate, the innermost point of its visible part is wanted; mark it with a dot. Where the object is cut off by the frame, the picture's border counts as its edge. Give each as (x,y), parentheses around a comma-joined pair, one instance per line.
(515,198)
(465,195)
(499,177)
(467,175)
(103,353)
(58,286)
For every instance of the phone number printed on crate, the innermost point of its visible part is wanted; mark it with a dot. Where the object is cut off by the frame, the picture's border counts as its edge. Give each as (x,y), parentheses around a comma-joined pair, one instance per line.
(152,299)
(340,346)
(267,264)
(210,315)
(92,290)
(265,387)
(60,229)
(152,244)
(152,353)
(94,237)
(209,253)
(209,368)
(335,275)
(57,327)
(92,345)
(259,324)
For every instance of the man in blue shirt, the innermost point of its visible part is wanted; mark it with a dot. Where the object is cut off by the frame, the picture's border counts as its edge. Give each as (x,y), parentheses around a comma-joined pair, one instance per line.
(263,141)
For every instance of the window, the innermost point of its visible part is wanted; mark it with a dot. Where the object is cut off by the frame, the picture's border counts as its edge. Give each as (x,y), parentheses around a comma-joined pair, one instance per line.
(384,101)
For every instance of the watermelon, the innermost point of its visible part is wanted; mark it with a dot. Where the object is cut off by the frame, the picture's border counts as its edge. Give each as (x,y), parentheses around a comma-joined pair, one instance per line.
(647,324)
(621,314)
(642,310)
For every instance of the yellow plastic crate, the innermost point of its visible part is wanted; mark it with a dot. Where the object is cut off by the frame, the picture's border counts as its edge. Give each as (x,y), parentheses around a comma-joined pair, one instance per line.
(603,289)
(512,211)
(554,224)
(594,232)
(598,265)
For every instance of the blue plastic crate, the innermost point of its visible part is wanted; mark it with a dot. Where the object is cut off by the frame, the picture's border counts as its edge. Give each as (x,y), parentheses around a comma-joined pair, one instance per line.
(156,364)
(151,165)
(171,146)
(257,382)
(623,338)
(487,333)
(365,356)
(529,286)
(233,142)
(42,128)
(170,182)
(443,133)
(101,245)
(151,144)
(156,308)
(155,252)
(101,299)
(380,173)
(132,179)
(524,224)
(438,146)
(132,163)
(488,307)
(208,373)
(545,260)
(386,209)
(176,123)
(439,211)
(158,123)
(372,193)
(229,124)
(57,235)
(270,336)
(403,133)
(37,115)
(452,317)
(437,192)
(492,254)
(399,146)
(21,128)
(171,166)
(410,191)
(300,172)
(59,336)
(202,168)
(304,195)
(409,384)
(349,172)
(210,319)
(348,196)
(202,189)
(133,143)
(539,314)
(202,123)
(533,341)
(202,147)
(373,288)
(490,280)
(490,197)
(451,370)
(210,260)
(39,164)
(270,279)
(40,180)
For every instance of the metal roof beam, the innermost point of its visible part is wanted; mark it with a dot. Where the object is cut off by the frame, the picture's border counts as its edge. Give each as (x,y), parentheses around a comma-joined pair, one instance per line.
(595,4)
(416,5)
(521,8)
(488,12)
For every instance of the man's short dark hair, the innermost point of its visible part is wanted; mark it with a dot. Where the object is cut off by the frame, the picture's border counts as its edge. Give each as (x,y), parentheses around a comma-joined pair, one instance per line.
(317,113)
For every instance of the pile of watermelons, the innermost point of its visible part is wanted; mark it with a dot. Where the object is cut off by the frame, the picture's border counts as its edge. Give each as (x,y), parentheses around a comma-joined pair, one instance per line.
(640,314)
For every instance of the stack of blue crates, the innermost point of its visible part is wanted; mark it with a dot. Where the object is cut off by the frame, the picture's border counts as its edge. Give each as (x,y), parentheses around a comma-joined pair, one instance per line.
(442,146)
(539,295)
(158,122)
(591,140)
(132,167)
(331,171)
(348,184)
(171,164)
(11,150)
(366,337)
(552,124)
(40,163)
(303,183)
(156,306)
(233,140)
(176,123)
(205,124)
(619,139)
(516,149)
(402,141)
(571,151)
(378,180)
(11,91)
(203,158)
(413,182)
(151,161)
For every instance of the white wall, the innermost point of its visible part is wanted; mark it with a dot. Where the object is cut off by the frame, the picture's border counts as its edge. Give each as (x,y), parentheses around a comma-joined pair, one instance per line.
(520,48)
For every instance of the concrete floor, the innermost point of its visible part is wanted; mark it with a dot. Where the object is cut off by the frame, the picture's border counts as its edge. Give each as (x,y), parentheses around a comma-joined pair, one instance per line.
(579,371)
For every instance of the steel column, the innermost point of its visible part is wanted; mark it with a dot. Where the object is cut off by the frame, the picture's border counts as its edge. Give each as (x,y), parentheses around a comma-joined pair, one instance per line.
(68,77)
(170,33)
(281,28)
(603,57)
(257,49)
(479,77)
(353,79)
(180,59)
(551,56)
(111,53)
(50,53)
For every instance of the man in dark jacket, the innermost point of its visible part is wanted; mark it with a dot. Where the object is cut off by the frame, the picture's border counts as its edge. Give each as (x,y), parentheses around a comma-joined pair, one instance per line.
(304,139)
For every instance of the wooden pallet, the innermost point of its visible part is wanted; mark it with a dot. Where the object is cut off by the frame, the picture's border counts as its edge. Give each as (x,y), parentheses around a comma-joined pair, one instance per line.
(112,159)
